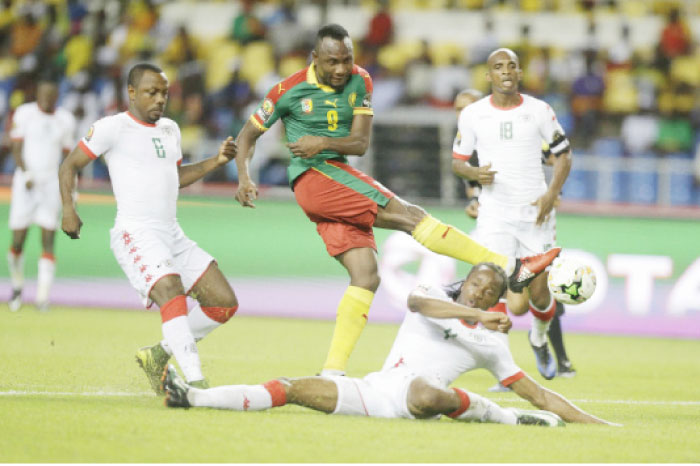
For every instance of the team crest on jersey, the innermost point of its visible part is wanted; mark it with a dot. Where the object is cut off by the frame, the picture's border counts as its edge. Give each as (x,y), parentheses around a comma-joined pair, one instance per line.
(352,98)
(307,105)
(367,101)
(167,130)
(266,109)
(91,131)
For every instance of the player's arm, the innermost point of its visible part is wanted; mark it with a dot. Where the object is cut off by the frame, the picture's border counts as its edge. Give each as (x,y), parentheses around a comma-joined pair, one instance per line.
(16,148)
(247,190)
(192,172)
(561,163)
(356,143)
(67,176)
(421,301)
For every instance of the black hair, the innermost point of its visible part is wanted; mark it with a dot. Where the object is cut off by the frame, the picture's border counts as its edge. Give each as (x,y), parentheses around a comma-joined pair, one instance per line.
(334,31)
(136,72)
(453,290)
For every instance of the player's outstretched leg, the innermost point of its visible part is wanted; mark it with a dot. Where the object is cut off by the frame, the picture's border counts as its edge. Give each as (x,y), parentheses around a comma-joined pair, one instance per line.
(450,241)
(153,360)
(556,337)
(180,394)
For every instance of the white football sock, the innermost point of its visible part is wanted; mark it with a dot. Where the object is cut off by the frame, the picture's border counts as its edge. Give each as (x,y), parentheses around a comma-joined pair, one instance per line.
(484,410)
(539,328)
(234,397)
(15,262)
(200,323)
(200,326)
(47,272)
(181,344)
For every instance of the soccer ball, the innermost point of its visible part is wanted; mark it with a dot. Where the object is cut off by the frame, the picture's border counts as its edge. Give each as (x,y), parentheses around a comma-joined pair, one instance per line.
(570,281)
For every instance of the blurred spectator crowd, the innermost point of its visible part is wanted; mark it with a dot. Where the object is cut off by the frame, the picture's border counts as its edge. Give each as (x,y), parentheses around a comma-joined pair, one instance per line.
(626,101)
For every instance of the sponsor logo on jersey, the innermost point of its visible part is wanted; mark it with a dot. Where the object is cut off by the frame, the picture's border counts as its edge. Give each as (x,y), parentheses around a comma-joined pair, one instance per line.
(266,109)
(367,101)
(307,105)
(91,131)
(332,103)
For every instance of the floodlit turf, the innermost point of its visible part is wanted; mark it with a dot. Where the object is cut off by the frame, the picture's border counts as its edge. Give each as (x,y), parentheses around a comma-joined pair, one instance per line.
(70,391)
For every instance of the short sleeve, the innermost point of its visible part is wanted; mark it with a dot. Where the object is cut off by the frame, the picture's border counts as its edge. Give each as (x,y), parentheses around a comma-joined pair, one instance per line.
(465,142)
(270,109)
(100,137)
(433,292)
(19,123)
(363,100)
(551,131)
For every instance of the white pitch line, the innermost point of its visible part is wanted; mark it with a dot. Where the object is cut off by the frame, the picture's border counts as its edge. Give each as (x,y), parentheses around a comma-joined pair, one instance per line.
(151,394)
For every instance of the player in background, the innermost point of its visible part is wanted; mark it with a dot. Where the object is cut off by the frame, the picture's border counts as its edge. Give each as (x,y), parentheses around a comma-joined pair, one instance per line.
(143,155)
(470,173)
(41,135)
(516,206)
(446,335)
(327,113)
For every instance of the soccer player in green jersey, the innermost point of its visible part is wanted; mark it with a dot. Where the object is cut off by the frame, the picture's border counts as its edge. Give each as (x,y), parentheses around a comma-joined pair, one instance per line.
(327,113)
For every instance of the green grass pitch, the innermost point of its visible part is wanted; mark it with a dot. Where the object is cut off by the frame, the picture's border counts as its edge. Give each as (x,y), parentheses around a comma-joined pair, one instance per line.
(70,391)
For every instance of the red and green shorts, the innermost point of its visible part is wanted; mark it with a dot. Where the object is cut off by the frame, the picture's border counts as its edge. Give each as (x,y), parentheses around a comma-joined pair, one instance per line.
(342,201)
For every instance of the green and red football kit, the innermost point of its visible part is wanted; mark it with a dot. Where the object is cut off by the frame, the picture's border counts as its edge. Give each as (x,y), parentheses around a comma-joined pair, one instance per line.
(340,199)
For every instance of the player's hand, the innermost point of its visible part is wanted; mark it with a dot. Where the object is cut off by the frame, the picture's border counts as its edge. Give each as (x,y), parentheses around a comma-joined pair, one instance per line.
(472,208)
(486,175)
(227,151)
(496,321)
(71,223)
(544,204)
(29,184)
(247,193)
(306,146)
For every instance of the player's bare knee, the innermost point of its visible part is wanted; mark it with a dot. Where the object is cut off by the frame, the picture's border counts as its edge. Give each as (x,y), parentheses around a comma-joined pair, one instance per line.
(166,288)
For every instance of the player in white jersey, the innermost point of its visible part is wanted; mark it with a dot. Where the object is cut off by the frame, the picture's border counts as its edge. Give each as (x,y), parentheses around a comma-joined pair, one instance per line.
(41,134)
(516,206)
(143,155)
(445,336)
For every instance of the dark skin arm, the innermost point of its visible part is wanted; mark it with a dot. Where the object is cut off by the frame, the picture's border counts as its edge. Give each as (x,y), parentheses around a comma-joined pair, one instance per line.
(484,175)
(546,202)
(67,175)
(247,190)
(355,144)
(194,171)
(444,309)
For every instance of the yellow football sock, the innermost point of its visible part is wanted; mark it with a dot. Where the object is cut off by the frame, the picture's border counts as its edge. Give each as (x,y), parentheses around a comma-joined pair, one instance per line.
(450,241)
(349,323)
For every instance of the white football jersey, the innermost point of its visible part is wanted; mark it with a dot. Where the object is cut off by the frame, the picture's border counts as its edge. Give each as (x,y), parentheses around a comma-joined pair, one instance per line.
(510,139)
(443,349)
(143,160)
(44,137)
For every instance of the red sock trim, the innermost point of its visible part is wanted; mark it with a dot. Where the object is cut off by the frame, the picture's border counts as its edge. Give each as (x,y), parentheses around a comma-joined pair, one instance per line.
(464,403)
(276,390)
(544,316)
(15,252)
(513,378)
(49,256)
(176,307)
(220,314)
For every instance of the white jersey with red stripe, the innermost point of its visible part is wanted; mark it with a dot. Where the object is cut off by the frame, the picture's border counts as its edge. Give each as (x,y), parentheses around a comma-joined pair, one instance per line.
(510,139)
(143,161)
(444,349)
(44,137)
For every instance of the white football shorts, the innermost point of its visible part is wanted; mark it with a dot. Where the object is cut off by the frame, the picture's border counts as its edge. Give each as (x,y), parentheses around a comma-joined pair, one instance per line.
(514,238)
(146,253)
(40,205)
(378,394)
